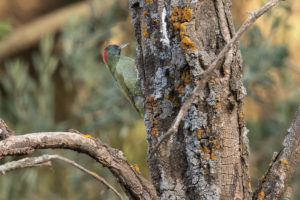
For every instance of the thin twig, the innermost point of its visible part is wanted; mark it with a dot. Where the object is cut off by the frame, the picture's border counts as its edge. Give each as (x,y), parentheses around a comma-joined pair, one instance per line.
(207,73)
(45,160)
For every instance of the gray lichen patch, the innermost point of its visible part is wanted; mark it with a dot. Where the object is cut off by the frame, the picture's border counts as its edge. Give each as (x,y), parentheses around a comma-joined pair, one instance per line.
(178,58)
(168,186)
(161,82)
(195,119)
(167,109)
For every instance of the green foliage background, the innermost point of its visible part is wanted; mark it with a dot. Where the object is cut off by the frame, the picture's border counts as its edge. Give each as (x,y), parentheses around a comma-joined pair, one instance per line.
(58,89)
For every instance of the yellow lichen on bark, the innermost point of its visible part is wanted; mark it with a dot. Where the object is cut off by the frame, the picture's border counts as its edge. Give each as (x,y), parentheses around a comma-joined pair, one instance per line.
(213,157)
(187,14)
(284,162)
(144,32)
(154,131)
(181,15)
(154,19)
(199,133)
(179,19)
(185,77)
(146,12)
(187,43)
(261,196)
(135,167)
(217,106)
(86,135)
(149,1)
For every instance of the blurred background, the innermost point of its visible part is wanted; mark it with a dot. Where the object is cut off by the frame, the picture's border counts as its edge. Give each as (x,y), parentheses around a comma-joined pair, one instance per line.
(52,78)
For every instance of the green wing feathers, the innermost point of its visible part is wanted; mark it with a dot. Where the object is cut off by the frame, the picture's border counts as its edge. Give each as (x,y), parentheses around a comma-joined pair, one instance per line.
(127,77)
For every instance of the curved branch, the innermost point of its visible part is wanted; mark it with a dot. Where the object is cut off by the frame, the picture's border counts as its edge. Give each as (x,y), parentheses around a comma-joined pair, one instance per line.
(45,160)
(134,184)
(275,182)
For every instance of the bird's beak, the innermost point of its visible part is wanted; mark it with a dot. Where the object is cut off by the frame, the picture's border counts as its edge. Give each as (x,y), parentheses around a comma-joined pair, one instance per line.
(123,45)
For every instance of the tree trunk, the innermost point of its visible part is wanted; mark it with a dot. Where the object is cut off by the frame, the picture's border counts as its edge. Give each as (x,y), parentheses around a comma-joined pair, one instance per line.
(177,40)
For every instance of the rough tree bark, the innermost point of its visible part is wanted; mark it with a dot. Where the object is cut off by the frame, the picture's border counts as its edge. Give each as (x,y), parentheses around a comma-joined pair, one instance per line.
(177,40)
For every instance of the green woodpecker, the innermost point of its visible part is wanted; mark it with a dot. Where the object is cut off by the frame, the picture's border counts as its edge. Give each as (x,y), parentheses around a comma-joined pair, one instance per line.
(124,71)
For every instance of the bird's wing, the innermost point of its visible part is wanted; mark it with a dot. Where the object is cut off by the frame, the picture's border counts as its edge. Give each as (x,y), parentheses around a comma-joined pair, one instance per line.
(126,79)
(126,67)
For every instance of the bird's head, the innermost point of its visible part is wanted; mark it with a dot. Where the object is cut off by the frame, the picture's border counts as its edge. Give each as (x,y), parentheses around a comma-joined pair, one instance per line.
(111,55)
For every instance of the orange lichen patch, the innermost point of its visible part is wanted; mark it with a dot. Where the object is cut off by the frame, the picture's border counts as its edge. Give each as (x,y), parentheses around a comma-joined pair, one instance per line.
(181,15)
(199,133)
(182,29)
(179,19)
(150,99)
(288,191)
(149,1)
(217,106)
(206,150)
(155,122)
(150,103)
(86,135)
(154,131)
(162,154)
(213,142)
(179,88)
(185,77)
(187,14)
(213,157)
(148,107)
(176,25)
(250,186)
(176,15)
(135,167)
(206,156)
(207,131)
(154,19)
(146,12)
(261,196)
(187,43)
(144,32)
(284,162)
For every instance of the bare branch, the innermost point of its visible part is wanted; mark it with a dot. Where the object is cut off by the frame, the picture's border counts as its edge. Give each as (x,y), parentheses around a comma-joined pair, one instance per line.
(205,76)
(44,160)
(283,166)
(134,184)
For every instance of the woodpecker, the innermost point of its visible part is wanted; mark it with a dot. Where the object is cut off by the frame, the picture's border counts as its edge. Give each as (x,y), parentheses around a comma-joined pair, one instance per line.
(124,71)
